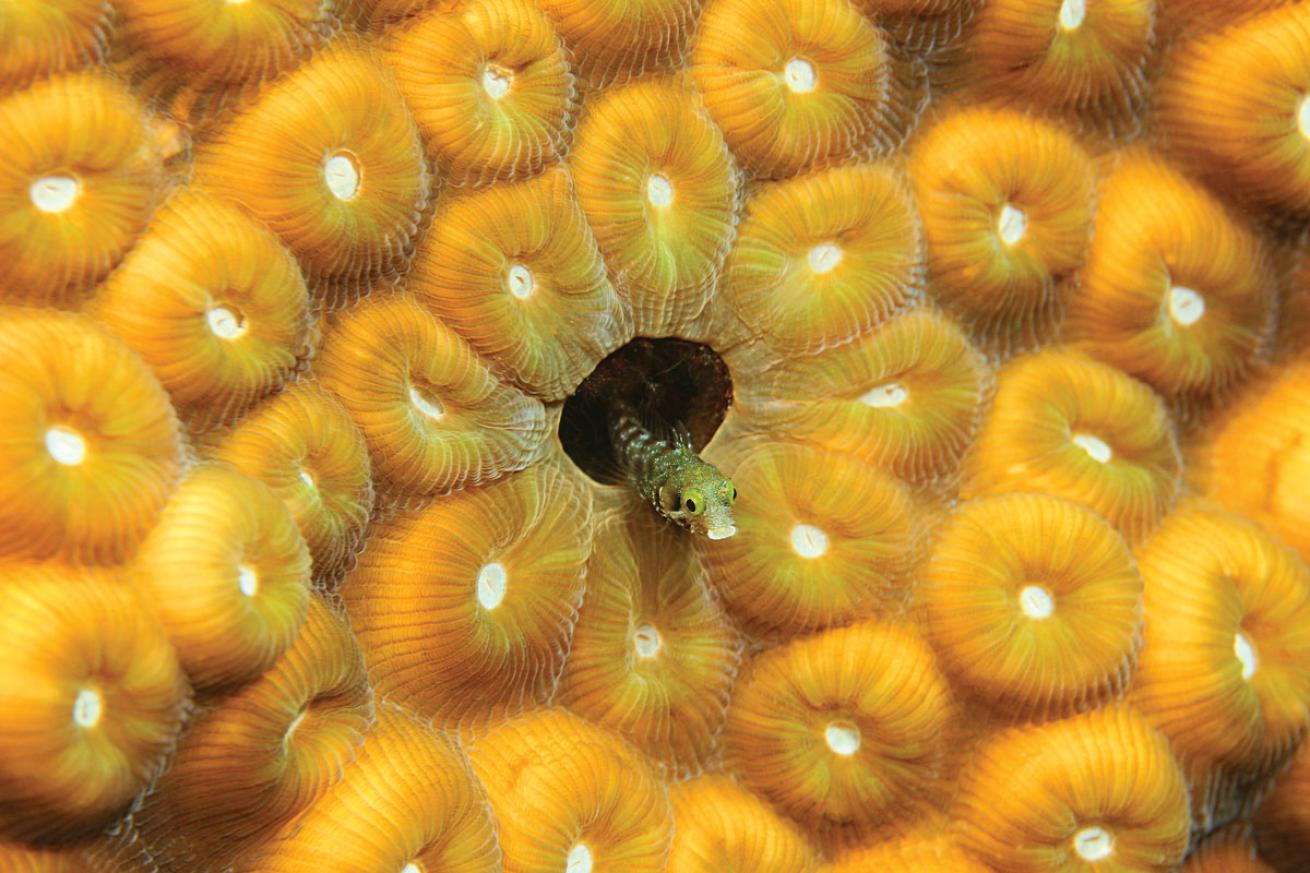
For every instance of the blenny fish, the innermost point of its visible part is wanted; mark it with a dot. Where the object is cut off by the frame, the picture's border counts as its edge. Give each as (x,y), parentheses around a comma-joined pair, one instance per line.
(658,460)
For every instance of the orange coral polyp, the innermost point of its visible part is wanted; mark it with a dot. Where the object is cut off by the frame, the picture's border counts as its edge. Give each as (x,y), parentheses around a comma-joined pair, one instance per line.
(91,700)
(617,40)
(1007,205)
(1063,55)
(408,801)
(465,608)
(304,446)
(80,177)
(1066,425)
(659,187)
(793,84)
(1176,290)
(1227,636)
(1232,104)
(490,87)
(1256,454)
(822,540)
(516,271)
(226,42)
(822,258)
(433,416)
(718,825)
(38,39)
(228,574)
(213,303)
(844,731)
(905,396)
(329,158)
(1101,787)
(1033,604)
(266,752)
(89,446)
(653,657)
(565,790)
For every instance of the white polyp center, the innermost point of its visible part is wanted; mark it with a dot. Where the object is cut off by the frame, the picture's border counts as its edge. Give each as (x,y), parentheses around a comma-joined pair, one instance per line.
(1185,305)
(295,723)
(496,81)
(54,194)
(1011,224)
(247,581)
(65,445)
(884,396)
(646,641)
(1036,602)
(800,76)
(1095,447)
(306,478)
(1246,655)
(492,580)
(823,258)
(578,860)
(342,176)
(87,707)
(808,541)
(429,406)
(1072,13)
(659,191)
(520,282)
(843,738)
(1303,116)
(225,323)
(411,867)
(1093,843)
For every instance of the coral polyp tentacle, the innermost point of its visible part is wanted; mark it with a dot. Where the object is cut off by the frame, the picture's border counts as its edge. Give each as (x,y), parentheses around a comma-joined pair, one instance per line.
(89,444)
(821,258)
(81,174)
(794,84)
(433,416)
(91,700)
(490,87)
(652,657)
(465,608)
(304,446)
(568,794)
(265,753)
(329,158)
(516,271)
(228,574)
(659,188)
(1094,787)
(213,303)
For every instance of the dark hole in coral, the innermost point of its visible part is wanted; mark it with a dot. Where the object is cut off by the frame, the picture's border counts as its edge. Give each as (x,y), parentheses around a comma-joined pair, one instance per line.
(679,381)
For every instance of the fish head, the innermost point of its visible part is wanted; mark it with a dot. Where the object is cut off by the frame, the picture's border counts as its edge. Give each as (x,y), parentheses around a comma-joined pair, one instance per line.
(700,499)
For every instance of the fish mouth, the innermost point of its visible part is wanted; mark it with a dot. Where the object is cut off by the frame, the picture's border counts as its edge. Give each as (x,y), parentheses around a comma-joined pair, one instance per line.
(721,533)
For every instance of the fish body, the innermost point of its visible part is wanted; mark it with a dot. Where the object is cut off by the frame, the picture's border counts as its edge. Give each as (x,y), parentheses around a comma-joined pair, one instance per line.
(665,470)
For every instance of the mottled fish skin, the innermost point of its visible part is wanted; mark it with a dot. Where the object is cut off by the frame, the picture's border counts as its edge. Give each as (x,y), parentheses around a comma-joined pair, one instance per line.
(661,464)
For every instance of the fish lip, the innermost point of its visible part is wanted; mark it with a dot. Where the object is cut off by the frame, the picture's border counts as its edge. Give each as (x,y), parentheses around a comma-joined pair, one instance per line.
(721,533)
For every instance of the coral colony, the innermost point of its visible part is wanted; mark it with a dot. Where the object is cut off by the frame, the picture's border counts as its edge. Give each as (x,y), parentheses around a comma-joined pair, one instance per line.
(624,436)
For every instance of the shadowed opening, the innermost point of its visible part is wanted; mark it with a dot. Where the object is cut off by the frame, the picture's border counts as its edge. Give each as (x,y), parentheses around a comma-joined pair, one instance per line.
(678,381)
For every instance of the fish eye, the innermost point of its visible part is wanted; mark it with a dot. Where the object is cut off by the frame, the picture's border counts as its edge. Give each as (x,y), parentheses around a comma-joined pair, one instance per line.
(692,504)
(732,493)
